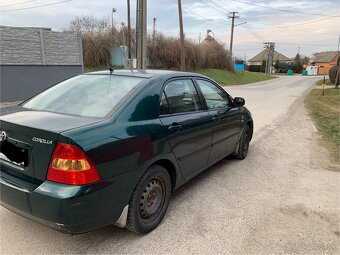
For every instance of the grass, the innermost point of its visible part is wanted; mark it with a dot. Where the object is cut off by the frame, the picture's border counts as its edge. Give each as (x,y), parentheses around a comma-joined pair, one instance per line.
(229,78)
(325,110)
(100,68)
(220,76)
(327,82)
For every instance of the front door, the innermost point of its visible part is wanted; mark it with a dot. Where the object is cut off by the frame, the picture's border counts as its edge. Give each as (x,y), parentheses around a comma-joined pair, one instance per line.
(226,119)
(189,127)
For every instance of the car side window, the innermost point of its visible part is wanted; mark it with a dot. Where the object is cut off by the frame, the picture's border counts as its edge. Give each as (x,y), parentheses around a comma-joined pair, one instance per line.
(164,106)
(214,97)
(181,96)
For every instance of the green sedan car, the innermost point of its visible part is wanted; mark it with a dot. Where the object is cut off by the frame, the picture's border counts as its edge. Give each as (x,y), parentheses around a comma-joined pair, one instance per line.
(110,147)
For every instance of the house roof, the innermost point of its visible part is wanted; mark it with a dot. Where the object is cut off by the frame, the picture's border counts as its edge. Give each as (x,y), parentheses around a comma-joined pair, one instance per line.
(325,57)
(263,56)
(209,39)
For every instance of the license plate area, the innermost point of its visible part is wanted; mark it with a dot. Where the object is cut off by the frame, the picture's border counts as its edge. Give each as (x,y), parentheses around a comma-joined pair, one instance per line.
(15,154)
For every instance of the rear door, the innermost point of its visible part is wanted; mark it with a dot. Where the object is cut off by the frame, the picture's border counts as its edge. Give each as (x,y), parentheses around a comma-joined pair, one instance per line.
(189,126)
(226,119)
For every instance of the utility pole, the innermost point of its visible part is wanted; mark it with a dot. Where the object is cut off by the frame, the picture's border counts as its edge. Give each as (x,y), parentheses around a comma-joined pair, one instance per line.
(270,55)
(112,13)
(154,30)
(141,34)
(338,63)
(232,16)
(181,35)
(123,33)
(199,38)
(129,30)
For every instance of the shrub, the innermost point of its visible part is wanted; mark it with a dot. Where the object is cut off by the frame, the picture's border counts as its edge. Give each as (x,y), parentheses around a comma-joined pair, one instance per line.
(163,51)
(332,74)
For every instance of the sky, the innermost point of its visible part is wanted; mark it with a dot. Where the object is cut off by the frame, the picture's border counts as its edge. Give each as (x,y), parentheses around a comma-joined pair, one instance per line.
(305,26)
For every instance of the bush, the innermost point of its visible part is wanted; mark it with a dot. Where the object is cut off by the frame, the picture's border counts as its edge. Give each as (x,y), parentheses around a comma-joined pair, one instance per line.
(332,74)
(254,68)
(284,67)
(163,51)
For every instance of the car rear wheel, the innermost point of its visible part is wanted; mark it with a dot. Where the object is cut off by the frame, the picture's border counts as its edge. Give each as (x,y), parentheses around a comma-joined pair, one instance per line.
(243,146)
(150,200)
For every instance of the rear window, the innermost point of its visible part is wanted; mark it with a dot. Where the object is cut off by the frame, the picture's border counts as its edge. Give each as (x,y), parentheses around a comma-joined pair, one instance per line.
(85,95)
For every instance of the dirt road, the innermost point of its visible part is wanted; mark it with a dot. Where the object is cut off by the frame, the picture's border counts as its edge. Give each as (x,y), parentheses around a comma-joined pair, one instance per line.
(284,198)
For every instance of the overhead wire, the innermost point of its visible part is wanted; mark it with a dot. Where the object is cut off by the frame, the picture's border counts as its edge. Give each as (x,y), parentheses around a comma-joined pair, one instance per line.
(9,5)
(34,7)
(284,10)
(199,15)
(209,4)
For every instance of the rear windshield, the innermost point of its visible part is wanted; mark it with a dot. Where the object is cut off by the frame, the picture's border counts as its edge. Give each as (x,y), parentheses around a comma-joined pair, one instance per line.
(84,95)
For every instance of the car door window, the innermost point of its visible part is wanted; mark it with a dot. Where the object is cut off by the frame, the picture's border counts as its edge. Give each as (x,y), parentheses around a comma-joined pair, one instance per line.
(214,97)
(164,106)
(181,96)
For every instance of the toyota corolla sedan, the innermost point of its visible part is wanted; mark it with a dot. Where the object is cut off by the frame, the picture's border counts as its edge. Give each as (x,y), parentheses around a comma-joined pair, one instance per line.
(110,147)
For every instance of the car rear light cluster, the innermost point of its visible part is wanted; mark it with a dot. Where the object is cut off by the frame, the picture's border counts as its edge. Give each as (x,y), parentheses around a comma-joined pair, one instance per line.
(70,165)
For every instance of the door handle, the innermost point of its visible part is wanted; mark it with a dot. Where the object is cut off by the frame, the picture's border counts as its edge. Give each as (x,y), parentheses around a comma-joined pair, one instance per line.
(216,118)
(175,127)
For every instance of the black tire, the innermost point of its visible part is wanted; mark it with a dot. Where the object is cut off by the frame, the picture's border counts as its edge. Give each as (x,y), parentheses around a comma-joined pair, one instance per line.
(243,145)
(149,200)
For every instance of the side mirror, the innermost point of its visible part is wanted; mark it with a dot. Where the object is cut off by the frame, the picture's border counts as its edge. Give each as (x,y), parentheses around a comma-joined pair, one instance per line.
(239,101)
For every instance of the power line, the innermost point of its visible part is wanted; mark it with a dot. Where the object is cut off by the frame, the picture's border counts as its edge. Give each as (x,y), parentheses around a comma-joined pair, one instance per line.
(9,5)
(283,10)
(299,30)
(196,14)
(37,6)
(209,4)
(253,33)
(218,5)
(294,25)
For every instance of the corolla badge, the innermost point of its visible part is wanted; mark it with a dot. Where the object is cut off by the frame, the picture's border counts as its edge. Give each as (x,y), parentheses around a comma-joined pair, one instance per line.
(3,136)
(41,140)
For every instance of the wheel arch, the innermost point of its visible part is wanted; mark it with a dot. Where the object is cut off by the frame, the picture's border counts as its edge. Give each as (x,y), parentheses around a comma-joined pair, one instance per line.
(250,123)
(171,168)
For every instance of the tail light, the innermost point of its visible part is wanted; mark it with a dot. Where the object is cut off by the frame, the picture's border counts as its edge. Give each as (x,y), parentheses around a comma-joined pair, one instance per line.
(70,165)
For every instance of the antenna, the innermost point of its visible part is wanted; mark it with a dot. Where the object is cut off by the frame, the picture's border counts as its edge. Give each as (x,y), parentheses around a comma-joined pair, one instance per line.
(101,54)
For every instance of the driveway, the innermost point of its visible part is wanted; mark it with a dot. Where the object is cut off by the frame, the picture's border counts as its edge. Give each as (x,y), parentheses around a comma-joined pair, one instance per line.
(284,198)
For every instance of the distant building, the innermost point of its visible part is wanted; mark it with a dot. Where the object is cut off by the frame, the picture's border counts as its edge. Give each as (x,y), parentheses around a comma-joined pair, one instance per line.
(209,39)
(263,56)
(325,61)
(33,59)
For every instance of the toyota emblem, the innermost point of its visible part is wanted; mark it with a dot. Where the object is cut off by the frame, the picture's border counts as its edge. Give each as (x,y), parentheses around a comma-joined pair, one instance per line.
(3,136)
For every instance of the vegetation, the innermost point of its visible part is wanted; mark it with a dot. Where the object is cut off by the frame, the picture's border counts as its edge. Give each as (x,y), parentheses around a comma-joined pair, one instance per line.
(327,82)
(223,77)
(164,51)
(234,78)
(298,63)
(325,110)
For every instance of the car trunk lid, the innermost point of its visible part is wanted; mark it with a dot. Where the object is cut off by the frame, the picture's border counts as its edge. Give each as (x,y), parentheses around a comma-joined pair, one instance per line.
(28,139)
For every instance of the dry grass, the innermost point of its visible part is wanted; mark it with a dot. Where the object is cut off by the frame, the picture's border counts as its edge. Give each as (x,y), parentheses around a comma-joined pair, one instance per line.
(325,110)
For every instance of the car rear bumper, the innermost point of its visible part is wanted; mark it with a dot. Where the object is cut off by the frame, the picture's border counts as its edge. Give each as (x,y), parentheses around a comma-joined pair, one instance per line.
(68,209)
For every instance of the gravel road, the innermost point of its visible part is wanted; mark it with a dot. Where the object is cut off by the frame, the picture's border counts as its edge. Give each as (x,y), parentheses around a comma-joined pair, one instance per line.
(283,199)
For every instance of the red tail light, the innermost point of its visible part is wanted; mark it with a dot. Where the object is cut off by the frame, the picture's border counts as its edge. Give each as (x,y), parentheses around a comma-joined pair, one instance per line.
(70,165)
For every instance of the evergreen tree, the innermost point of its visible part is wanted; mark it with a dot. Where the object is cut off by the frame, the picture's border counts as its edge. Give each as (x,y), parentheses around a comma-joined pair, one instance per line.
(298,62)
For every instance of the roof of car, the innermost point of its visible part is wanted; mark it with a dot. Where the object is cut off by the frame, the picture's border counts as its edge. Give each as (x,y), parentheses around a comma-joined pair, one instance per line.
(144,74)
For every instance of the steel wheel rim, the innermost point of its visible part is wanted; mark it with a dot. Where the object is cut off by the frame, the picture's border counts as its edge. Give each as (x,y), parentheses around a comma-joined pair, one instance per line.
(152,199)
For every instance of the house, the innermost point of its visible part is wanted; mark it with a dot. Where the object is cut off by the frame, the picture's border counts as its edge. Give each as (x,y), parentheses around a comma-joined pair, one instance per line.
(33,59)
(263,56)
(209,39)
(325,61)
